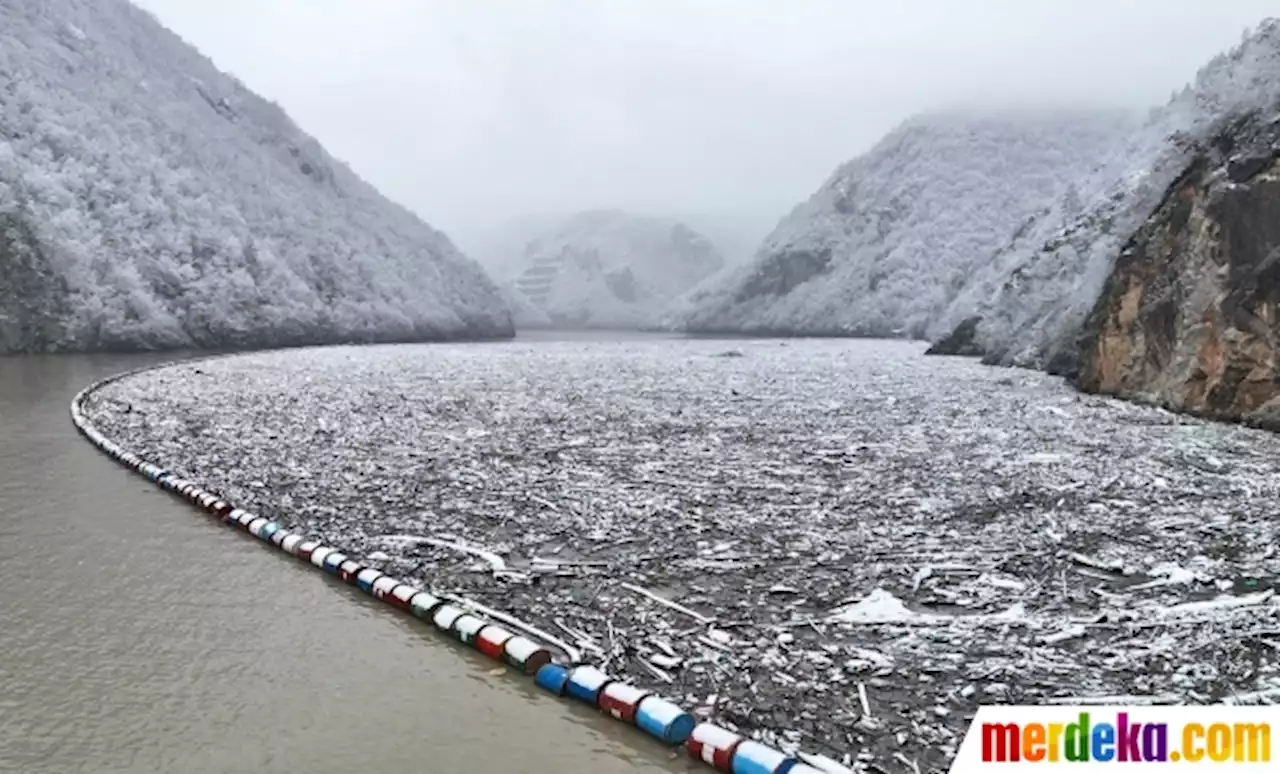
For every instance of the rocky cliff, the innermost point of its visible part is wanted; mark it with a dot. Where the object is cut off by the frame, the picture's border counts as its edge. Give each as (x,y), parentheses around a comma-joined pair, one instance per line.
(149,201)
(609,269)
(1190,315)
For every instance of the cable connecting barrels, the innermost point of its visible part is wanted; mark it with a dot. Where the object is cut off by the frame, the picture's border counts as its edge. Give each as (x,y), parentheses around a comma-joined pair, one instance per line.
(658,717)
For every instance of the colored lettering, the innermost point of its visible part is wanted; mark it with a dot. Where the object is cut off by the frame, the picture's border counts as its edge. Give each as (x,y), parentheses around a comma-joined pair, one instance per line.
(1033,742)
(1127,739)
(1078,739)
(1104,742)
(1055,741)
(1000,743)
(1155,742)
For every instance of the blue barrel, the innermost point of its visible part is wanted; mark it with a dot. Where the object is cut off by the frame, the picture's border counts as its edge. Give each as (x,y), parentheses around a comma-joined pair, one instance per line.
(552,677)
(366,578)
(755,758)
(664,720)
(333,561)
(269,529)
(585,683)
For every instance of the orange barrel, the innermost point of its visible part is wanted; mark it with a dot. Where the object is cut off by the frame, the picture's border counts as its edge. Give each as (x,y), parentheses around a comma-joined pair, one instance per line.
(318,555)
(755,758)
(466,627)
(402,596)
(445,615)
(383,586)
(306,547)
(348,571)
(424,604)
(664,720)
(492,640)
(715,745)
(526,655)
(255,526)
(333,562)
(621,701)
(290,544)
(585,683)
(366,578)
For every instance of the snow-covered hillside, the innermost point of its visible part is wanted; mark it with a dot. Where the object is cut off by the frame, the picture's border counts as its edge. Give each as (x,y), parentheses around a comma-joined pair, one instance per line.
(147,200)
(887,243)
(1034,297)
(608,269)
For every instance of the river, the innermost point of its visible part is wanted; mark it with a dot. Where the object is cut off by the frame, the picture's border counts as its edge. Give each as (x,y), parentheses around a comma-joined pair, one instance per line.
(139,637)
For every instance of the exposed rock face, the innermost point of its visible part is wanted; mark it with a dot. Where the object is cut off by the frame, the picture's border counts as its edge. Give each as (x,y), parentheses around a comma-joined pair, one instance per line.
(1190,316)
(609,269)
(150,201)
(961,341)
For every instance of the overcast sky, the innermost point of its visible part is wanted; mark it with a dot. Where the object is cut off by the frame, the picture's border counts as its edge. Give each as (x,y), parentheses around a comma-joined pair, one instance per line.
(480,112)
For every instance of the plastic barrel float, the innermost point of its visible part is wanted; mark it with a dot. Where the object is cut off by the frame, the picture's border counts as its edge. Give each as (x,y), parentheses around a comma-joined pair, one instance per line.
(269,530)
(402,595)
(255,526)
(306,547)
(466,627)
(320,554)
(664,720)
(492,641)
(444,617)
(280,536)
(621,701)
(333,562)
(755,758)
(233,517)
(585,683)
(349,569)
(366,577)
(553,678)
(526,655)
(290,544)
(383,587)
(715,745)
(424,604)
(246,518)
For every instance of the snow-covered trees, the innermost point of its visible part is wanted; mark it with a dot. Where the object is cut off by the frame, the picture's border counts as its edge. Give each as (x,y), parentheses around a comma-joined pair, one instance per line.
(149,200)
(608,269)
(887,243)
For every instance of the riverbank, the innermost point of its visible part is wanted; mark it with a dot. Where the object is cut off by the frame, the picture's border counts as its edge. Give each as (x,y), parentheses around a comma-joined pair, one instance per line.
(835,544)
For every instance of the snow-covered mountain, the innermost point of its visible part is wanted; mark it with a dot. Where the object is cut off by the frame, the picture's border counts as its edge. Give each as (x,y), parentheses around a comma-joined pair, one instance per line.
(887,243)
(1035,295)
(609,269)
(147,200)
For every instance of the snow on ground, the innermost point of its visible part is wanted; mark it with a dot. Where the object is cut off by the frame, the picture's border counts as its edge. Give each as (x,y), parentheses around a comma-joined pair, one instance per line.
(860,544)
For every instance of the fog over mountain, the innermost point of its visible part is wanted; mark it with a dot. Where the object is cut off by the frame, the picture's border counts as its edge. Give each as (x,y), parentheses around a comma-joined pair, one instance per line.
(476,115)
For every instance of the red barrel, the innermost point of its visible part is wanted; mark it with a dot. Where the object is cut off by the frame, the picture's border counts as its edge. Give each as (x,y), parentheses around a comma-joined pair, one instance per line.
(402,596)
(383,587)
(621,701)
(715,745)
(306,547)
(492,640)
(349,569)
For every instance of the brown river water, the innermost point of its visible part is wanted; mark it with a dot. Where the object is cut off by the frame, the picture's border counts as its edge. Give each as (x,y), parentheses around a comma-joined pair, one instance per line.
(138,636)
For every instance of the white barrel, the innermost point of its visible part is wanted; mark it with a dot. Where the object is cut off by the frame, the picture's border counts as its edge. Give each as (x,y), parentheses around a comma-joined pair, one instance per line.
(384,585)
(281,535)
(445,616)
(255,526)
(422,604)
(247,518)
(318,555)
(290,543)
(526,655)
(235,515)
(466,628)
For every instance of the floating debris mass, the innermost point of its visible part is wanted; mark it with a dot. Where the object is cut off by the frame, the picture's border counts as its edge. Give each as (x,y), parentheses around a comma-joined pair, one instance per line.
(834,546)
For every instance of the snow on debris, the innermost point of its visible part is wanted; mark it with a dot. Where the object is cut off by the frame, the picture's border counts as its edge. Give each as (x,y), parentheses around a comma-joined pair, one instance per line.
(837,546)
